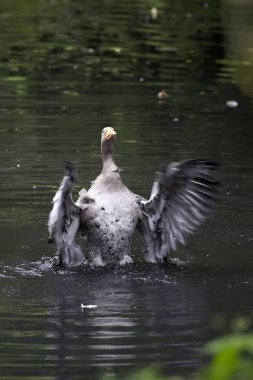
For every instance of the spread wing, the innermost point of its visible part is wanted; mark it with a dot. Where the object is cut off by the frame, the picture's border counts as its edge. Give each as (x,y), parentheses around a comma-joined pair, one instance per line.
(64,221)
(181,199)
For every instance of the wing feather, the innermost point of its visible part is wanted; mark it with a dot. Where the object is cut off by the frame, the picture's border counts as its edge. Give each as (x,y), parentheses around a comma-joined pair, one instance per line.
(64,222)
(182,197)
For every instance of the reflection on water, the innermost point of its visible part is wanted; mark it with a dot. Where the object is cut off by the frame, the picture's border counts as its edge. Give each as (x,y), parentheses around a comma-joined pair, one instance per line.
(144,313)
(61,84)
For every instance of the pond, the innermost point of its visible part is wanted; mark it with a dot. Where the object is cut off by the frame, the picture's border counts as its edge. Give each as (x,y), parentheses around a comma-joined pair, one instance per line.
(68,69)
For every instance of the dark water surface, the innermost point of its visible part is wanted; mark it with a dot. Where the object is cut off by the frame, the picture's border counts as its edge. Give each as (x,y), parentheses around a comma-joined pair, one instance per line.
(69,68)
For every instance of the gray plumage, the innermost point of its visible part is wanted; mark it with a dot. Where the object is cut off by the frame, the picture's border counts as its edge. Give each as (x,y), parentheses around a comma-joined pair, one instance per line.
(64,222)
(181,199)
(108,213)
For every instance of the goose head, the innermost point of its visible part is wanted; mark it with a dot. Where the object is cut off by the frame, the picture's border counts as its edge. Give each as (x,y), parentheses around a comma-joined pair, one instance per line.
(108,139)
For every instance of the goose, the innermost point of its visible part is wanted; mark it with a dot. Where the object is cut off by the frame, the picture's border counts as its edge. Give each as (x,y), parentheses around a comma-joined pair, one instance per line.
(107,215)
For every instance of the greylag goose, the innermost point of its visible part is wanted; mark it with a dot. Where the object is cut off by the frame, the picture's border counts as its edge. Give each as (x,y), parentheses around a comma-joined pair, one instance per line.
(182,196)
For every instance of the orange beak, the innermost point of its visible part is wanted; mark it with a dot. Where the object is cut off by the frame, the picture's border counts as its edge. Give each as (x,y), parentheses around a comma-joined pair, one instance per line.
(110,133)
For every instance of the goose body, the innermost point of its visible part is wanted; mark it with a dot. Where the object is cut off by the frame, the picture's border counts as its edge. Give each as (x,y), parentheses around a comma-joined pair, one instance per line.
(110,221)
(108,213)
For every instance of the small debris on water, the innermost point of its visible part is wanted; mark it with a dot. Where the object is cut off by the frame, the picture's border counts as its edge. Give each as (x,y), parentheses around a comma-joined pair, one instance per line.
(162,95)
(232,103)
(154,13)
(88,306)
